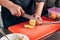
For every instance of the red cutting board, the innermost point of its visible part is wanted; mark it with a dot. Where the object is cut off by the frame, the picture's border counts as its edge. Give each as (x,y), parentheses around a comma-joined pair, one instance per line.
(36,32)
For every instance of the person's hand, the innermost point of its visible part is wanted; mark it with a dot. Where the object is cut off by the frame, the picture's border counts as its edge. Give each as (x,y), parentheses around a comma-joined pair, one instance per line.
(16,10)
(39,18)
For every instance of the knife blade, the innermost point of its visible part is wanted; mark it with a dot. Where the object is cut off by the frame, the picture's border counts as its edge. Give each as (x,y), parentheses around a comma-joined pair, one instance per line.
(29,17)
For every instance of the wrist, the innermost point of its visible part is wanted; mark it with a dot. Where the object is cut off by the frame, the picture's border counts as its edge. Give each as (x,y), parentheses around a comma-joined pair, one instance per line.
(36,14)
(10,5)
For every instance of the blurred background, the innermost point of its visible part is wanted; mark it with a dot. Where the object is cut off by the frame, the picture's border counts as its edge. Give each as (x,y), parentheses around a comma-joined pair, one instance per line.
(0,8)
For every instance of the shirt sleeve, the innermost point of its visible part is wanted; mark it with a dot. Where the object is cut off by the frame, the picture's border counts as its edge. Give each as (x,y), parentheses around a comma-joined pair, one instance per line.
(40,0)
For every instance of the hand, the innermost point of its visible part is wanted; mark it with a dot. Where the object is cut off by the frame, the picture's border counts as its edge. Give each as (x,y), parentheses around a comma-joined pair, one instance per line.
(39,18)
(16,10)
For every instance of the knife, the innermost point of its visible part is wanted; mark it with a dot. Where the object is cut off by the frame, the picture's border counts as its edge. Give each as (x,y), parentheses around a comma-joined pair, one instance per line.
(29,16)
(43,23)
(47,23)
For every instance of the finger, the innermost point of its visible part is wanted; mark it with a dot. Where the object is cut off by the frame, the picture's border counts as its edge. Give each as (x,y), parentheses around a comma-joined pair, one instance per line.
(16,14)
(37,17)
(12,13)
(39,22)
(19,12)
(22,11)
(40,19)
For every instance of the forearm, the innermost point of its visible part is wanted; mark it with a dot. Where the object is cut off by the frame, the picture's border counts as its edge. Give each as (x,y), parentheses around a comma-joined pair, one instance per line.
(6,3)
(39,8)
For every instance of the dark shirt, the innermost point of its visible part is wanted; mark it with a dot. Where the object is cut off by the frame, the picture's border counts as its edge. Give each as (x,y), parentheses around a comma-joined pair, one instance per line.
(41,0)
(27,5)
